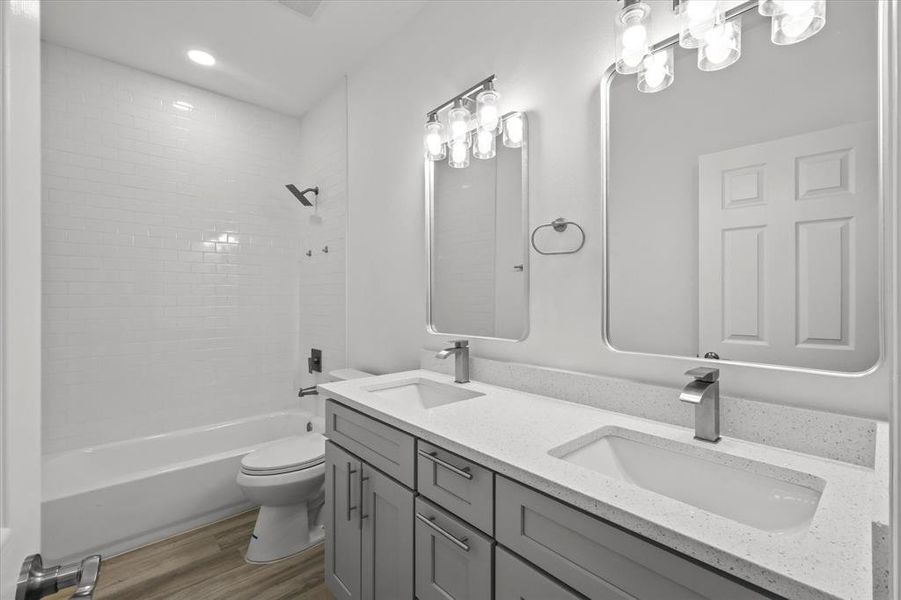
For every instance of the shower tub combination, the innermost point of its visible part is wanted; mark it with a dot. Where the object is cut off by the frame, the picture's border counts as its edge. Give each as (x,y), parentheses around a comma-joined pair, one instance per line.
(119,496)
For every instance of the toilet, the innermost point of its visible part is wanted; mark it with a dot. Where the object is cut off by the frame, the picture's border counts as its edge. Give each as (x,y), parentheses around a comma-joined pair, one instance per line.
(287,479)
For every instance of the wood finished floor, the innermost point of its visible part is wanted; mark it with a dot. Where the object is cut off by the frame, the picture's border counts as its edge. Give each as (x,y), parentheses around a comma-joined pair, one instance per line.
(208,564)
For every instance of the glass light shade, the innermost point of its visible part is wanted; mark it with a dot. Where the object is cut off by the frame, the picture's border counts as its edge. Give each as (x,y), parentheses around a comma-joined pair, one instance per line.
(458,156)
(696,18)
(657,71)
(722,46)
(485,146)
(488,116)
(796,20)
(458,122)
(767,8)
(513,131)
(632,37)
(433,140)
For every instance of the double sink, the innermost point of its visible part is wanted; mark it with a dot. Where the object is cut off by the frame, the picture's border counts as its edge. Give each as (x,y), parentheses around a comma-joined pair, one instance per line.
(767,497)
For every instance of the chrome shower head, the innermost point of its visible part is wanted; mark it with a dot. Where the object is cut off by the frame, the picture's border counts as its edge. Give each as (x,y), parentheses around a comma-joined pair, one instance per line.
(301,195)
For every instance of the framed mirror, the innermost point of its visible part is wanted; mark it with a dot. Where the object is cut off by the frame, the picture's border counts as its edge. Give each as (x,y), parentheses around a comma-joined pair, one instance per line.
(477,231)
(742,206)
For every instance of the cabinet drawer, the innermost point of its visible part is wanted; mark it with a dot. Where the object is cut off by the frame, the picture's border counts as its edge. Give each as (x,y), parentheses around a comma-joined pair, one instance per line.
(462,487)
(386,448)
(596,558)
(453,560)
(515,579)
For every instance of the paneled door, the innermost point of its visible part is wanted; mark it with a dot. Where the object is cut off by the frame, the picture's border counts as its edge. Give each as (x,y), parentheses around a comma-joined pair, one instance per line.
(387,529)
(788,247)
(20,287)
(343,473)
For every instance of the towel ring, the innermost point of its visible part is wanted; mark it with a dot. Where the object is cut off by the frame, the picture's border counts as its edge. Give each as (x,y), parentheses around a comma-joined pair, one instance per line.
(559,225)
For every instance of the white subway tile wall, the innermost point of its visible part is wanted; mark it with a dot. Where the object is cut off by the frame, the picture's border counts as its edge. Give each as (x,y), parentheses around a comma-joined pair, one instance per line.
(323,306)
(172,254)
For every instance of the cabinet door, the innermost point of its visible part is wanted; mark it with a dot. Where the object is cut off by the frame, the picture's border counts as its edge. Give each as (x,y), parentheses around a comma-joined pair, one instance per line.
(453,560)
(387,527)
(515,579)
(342,523)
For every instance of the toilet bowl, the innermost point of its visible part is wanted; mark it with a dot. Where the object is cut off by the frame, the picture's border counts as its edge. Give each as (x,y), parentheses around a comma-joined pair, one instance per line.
(287,479)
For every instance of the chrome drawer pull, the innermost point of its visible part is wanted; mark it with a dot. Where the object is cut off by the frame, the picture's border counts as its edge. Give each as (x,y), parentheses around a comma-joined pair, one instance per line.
(350,473)
(430,521)
(432,456)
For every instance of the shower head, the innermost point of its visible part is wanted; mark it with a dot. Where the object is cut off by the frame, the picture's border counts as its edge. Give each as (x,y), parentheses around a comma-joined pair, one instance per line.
(301,195)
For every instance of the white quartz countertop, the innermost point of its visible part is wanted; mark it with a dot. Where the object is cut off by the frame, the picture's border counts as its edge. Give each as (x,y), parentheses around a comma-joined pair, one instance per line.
(511,433)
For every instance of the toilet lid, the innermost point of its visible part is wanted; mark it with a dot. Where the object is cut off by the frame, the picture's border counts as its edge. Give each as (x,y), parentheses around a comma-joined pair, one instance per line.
(289,454)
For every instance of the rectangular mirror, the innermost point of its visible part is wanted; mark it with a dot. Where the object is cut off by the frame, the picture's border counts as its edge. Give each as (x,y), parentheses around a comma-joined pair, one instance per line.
(477,224)
(742,206)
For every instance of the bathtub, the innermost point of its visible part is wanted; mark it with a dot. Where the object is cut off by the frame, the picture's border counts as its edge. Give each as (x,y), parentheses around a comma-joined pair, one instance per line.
(115,497)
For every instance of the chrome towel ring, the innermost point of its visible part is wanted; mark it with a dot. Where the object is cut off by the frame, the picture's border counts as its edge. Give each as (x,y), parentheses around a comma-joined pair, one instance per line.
(559,225)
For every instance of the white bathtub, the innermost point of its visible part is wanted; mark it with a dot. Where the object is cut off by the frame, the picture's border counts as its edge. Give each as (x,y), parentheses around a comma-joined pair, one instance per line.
(116,497)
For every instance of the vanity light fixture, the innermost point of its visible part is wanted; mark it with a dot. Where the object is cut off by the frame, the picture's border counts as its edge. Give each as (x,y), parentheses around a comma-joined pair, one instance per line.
(513,130)
(721,47)
(632,36)
(656,72)
(465,131)
(488,114)
(696,19)
(796,20)
(433,141)
(485,144)
(705,25)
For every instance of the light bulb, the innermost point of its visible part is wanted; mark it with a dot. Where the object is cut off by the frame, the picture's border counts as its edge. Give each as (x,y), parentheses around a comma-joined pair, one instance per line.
(202,58)
(459,154)
(722,46)
(657,71)
(458,119)
(513,131)
(433,140)
(696,18)
(632,43)
(796,20)
(487,111)
(485,146)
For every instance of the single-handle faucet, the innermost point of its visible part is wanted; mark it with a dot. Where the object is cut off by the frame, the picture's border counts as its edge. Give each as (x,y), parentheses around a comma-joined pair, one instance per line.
(460,350)
(704,393)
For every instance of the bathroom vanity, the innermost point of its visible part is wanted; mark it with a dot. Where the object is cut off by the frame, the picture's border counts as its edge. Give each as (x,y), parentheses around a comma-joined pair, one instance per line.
(437,490)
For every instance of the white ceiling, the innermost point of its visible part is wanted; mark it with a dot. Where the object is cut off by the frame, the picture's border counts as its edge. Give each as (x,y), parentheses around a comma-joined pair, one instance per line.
(266,52)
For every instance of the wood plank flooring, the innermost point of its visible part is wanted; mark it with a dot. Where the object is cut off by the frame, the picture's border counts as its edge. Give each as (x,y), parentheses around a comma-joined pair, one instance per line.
(208,564)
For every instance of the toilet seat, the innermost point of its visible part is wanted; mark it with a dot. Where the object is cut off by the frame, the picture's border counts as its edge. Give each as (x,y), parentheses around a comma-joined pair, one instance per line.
(286,456)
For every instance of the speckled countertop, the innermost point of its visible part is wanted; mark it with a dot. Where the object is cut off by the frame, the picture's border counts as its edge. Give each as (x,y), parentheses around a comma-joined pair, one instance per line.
(511,432)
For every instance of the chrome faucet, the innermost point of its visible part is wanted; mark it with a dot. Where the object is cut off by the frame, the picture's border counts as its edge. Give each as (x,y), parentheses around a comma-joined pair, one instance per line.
(704,393)
(460,350)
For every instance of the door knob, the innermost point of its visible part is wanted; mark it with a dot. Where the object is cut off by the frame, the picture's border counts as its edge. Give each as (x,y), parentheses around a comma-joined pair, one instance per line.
(35,581)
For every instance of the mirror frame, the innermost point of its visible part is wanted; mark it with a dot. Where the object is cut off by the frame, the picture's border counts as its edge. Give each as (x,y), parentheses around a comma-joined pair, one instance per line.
(429,167)
(884,154)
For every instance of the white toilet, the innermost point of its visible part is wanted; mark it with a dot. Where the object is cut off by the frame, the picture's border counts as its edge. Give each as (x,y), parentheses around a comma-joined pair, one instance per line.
(287,479)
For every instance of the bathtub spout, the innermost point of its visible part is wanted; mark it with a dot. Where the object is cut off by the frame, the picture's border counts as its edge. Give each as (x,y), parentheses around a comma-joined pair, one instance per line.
(308,391)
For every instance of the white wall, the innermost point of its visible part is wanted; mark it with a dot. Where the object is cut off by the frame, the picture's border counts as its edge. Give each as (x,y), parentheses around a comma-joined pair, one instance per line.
(171,252)
(549,58)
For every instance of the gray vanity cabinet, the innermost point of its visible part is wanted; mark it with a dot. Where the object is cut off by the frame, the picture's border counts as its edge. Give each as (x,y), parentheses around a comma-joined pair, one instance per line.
(453,560)
(343,541)
(515,579)
(387,529)
(369,530)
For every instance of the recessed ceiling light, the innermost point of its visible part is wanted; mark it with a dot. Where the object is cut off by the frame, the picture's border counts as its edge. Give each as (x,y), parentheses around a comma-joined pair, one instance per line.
(202,58)
(182,105)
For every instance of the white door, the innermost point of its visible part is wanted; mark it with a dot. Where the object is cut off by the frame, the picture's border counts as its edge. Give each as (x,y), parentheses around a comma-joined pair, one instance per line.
(788,234)
(20,288)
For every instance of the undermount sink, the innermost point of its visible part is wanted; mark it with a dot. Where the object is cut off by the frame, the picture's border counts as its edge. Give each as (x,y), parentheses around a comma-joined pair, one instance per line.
(424,392)
(763,496)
